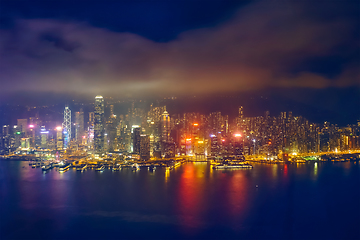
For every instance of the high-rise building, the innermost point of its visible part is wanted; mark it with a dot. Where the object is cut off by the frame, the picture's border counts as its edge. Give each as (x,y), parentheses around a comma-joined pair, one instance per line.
(59,142)
(165,127)
(44,137)
(111,110)
(241,113)
(22,125)
(79,125)
(238,147)
(144,147)
(215,150)
(136,140)
(99,129)
(91,117)
(25,143)
(5,141)
(66,126)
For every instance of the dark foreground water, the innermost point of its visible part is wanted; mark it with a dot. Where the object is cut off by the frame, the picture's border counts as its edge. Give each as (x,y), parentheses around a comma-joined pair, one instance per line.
(296,201)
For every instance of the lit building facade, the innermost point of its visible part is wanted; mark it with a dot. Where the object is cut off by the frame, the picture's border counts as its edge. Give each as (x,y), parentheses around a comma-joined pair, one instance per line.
(99,129)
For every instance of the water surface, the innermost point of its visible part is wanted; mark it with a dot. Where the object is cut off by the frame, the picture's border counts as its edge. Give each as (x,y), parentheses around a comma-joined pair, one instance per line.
(193,201)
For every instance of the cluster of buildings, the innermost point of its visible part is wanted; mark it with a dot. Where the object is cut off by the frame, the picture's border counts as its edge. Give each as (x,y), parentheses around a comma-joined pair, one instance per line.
(157,134)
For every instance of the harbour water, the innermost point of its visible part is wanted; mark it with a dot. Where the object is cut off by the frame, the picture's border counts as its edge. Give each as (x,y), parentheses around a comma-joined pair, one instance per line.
(193,201)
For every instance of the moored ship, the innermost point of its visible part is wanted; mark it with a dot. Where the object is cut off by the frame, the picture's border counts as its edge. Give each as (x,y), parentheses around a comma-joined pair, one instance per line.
(232,166)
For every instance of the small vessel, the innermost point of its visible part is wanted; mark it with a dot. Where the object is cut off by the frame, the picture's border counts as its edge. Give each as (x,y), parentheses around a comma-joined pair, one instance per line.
(116,168)
(64,167)
(47,167)
(81,167)
(136,167)
(100,168)
(152,168)
(232,166)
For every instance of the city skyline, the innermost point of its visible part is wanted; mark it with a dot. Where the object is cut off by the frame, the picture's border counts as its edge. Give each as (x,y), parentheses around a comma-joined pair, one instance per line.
(151,132)
(179,119)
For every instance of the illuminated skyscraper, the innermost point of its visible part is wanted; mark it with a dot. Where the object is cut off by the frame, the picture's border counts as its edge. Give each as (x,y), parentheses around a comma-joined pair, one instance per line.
(59,142)
(241,113)
(144,147)
(165,127)
(22,125)
(44,137)
(67,126)
(214,146)
(136,140)
(111,110)
(99,129)
(79,121)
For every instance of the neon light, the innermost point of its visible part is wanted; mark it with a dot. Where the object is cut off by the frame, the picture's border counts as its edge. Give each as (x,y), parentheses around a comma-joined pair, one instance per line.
(31,126)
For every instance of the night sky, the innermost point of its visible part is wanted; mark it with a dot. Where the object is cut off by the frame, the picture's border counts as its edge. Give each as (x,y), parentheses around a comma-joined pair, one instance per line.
(294,50)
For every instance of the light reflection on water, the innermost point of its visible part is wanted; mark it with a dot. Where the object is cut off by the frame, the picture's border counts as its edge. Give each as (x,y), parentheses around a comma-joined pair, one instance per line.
(192,197)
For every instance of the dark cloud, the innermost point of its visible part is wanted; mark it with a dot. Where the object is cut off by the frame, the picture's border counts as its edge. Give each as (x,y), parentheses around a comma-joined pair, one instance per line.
(267,44)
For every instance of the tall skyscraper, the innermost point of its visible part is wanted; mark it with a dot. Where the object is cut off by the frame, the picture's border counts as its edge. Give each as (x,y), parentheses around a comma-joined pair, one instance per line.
(136,140)
(67,127)
(99,129)
(144,147)
(44,137)
(241,113)
(214,146)
(79,123)
(111,110)
(165,127)
(22,125)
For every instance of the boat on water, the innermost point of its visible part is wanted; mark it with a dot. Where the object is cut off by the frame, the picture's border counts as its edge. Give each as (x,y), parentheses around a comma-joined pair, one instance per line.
(136,167)
(100,168)
(152,168)
(47,167)
(81,167)
(116,168)
(64,167)
(232,166)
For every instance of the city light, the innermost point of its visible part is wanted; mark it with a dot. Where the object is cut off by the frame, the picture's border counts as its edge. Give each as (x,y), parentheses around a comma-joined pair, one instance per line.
(31,126)
(58,128)
(237,135)
(196,124)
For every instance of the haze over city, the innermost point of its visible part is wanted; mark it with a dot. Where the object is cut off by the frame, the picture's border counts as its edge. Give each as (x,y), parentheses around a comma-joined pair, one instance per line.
(179,119)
